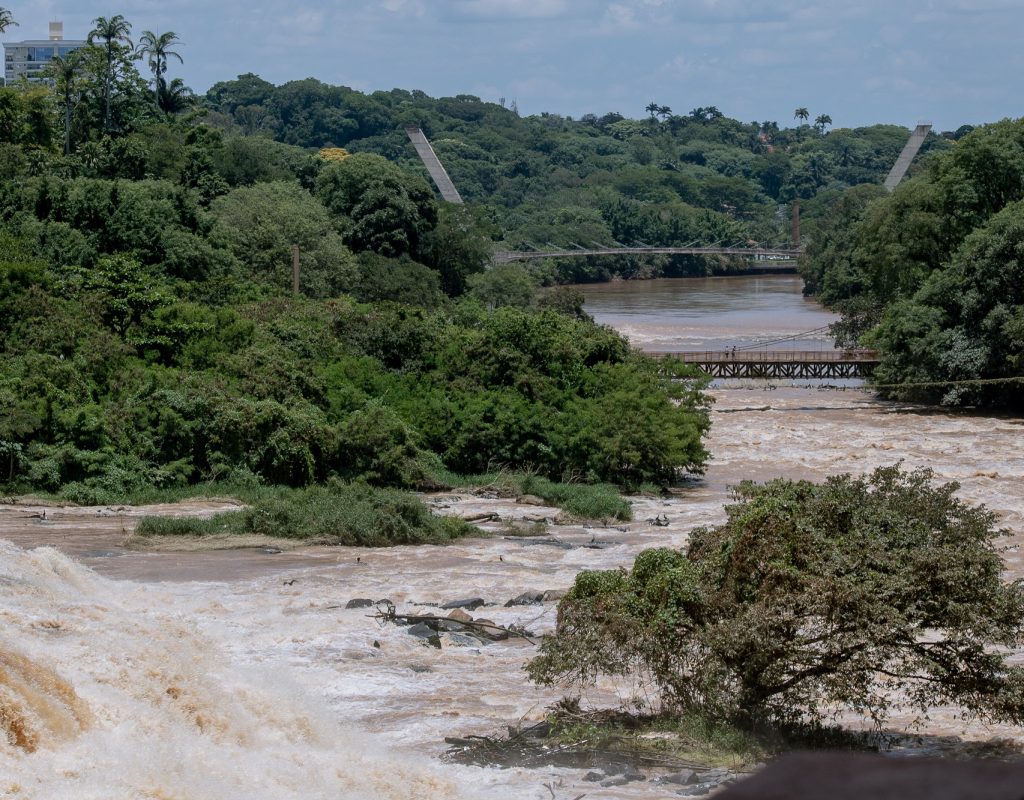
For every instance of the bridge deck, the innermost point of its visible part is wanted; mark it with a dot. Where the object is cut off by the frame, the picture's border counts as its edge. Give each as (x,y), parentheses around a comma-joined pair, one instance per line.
(771,256)
(779,363)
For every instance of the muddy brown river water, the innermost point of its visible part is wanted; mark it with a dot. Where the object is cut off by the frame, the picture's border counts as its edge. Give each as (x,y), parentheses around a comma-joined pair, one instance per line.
(240,674)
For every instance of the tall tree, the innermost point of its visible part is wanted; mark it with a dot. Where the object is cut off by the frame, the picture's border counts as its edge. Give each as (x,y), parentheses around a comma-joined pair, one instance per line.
(157,49)
(821,121)
(6,20)
(113,35)
(652,109)
(65,72)
(802,114)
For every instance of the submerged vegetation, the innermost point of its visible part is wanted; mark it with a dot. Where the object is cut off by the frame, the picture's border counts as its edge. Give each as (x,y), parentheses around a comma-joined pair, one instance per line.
(335,514)
(578,500)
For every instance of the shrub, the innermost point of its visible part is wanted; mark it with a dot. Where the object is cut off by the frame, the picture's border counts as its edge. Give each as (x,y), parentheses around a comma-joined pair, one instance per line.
(377,447)
(338,514)
(871,593)
(585,501)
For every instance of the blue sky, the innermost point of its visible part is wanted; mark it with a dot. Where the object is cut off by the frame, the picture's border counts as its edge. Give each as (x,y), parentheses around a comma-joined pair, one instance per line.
(860,61)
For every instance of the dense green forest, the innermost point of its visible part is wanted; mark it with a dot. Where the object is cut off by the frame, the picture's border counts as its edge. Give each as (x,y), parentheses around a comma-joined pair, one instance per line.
(667,179)
(149,333)
(933,275)
(150,337)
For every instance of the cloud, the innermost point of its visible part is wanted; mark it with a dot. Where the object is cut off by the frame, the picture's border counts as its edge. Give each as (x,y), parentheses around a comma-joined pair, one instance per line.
(414,8)
(513,9)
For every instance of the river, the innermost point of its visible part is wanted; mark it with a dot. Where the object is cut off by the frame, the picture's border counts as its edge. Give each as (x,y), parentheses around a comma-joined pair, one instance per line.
(241,674)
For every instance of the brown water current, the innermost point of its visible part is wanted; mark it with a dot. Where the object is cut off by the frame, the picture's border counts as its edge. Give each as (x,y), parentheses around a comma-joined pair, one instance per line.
(128,674)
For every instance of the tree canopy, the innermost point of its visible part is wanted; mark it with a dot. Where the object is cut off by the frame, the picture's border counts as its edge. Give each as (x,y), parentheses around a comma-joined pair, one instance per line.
(931,274)
(869,593)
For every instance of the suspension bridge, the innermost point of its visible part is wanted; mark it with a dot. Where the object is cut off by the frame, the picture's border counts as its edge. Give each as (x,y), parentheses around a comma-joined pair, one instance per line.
(756,360)
(781,364)
(760,258)
(766,258)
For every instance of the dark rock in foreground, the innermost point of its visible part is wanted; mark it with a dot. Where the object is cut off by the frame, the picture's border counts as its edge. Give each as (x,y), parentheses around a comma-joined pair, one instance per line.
(853,777)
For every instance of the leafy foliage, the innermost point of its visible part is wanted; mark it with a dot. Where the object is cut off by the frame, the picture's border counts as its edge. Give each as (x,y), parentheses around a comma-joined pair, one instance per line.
(870,593)
(931,275)
(336,514)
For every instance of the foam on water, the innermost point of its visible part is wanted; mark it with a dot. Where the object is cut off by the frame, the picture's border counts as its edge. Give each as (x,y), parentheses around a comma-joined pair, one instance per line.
(108,690)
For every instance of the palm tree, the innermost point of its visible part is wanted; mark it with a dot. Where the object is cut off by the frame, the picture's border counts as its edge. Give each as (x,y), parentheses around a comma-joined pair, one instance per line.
(802,114)
(114,34)
(176,97)
(821,121)
(652,108)
(64,71)
(664,112)
(157,49)
(6,20)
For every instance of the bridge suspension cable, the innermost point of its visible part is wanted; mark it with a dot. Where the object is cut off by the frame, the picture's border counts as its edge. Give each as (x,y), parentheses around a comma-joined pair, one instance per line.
(789,338)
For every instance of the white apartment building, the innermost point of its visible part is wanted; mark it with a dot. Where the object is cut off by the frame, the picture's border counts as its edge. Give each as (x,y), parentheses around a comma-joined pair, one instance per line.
(27,59)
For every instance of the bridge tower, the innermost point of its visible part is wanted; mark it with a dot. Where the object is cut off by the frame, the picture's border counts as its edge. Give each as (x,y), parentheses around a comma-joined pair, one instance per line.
(910,149)
(434,166)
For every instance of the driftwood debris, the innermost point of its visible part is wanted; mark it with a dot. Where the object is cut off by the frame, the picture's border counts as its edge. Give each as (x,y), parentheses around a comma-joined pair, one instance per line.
(486,516)
(387,613)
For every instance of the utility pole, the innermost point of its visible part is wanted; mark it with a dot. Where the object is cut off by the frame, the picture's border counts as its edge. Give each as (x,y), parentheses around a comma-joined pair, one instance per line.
(295,269)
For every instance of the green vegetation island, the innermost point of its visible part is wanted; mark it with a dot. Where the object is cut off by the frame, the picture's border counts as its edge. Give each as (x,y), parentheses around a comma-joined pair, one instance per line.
(154,347)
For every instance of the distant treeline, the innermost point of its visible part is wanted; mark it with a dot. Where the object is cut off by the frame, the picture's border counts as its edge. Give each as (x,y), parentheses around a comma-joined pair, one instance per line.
(668,179)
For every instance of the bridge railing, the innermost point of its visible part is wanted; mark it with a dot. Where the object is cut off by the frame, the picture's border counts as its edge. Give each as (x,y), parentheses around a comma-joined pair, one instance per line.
(782,254)
(771,356)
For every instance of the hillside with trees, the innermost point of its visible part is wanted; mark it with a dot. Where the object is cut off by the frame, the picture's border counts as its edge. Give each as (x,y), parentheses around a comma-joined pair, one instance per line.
(151,339)
(668,179)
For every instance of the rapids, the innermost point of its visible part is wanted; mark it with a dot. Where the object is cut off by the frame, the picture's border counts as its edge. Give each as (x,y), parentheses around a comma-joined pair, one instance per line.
(127,674)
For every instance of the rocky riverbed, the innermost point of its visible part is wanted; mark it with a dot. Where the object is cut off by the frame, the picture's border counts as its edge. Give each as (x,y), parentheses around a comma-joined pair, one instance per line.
(241,673)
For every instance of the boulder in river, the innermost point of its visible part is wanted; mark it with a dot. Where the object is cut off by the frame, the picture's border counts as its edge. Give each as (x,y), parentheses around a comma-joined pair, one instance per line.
(526,599)
(681,778)
(359,602)
(460,616)
(469,603)
(426,633)
(453,639)
(489,629)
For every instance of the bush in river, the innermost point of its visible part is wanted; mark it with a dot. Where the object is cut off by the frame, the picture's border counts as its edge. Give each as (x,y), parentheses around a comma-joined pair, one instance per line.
(869,593)
(339,514)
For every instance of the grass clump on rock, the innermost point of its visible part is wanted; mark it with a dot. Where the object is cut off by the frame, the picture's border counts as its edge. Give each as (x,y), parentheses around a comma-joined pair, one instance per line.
(337,514)
(580,500)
